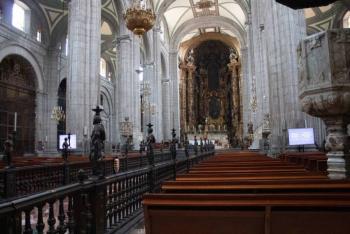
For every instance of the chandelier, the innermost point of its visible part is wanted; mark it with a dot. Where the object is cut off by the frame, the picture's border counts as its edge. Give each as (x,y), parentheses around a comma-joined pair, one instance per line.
(58,114)
(138,18)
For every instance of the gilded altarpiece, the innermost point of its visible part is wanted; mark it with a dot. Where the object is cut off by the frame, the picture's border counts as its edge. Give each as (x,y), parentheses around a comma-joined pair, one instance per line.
(210,92)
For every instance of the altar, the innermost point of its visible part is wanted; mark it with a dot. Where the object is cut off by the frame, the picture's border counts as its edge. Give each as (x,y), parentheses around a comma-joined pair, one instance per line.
(218,138)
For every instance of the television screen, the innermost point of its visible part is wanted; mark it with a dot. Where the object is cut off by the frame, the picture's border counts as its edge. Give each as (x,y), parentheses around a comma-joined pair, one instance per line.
(73,141)
(301,136)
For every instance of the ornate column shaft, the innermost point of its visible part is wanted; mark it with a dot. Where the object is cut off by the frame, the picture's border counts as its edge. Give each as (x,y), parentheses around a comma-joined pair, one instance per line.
(234,68)
(191,92)
(183,97)
(83,92)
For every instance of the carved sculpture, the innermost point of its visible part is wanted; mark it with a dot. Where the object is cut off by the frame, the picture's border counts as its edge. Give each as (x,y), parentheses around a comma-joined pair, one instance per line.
(150,141)
(98,136)
(324,83)
(8,146)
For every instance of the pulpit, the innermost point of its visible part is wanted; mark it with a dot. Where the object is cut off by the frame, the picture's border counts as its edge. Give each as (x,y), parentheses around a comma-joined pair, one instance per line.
(324,84)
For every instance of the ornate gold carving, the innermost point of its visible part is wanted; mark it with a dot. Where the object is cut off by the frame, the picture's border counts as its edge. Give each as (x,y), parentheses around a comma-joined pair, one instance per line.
(138,19)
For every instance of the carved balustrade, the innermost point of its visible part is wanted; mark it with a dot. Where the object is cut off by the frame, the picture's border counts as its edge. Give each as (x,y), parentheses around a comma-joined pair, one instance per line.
(21,181)
(90,206)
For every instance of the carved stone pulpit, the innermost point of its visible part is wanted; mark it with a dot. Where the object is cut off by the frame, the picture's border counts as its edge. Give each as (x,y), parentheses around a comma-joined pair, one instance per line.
(324,91)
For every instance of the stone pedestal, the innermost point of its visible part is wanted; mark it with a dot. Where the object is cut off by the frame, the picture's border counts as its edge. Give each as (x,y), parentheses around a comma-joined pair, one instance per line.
(324,83)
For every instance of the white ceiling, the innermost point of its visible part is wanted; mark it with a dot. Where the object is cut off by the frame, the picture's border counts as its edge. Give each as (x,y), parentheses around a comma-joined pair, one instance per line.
(181,11)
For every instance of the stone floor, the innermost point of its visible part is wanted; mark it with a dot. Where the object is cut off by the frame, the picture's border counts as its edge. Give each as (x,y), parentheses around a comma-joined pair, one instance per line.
(138,229)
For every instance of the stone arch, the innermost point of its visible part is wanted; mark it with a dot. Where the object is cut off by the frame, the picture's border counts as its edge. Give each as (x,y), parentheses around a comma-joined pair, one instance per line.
(165,5)
(14,49)
(338,19)
(212,21)
(194,42)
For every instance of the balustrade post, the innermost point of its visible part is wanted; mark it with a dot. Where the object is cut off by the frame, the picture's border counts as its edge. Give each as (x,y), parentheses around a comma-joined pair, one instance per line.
(173,151)
(10,182)
(98,199)
(90,207)
(150,156)
(66,174)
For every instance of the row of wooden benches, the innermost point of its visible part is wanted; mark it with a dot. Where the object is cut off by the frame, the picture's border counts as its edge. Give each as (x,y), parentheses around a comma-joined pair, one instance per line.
(247,193)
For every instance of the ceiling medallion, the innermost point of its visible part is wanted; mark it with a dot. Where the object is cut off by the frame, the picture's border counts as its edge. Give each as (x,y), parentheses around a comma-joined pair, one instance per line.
(138,18)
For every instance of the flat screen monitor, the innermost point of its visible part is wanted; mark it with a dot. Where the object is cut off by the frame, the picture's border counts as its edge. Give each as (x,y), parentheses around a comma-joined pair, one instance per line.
(73,141)
(301,136)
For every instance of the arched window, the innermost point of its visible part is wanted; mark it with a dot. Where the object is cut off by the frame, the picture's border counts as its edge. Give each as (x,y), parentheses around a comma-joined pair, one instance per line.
(103,68)
(346,20)
(21,16)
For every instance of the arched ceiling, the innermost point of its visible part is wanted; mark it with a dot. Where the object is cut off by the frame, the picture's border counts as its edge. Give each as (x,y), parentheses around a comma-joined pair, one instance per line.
(180,12)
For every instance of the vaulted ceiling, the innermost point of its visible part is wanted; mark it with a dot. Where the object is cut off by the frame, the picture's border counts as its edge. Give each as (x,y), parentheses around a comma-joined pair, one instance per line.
(180,12)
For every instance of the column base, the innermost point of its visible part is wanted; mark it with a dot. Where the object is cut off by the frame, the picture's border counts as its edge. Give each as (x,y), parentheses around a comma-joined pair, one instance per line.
(338,165)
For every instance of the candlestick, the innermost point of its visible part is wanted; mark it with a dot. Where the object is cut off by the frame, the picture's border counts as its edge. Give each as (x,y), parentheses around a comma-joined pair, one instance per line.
(15,122)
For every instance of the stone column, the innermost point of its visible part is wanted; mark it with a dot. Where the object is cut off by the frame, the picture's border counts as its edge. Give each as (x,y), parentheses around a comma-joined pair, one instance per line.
(281,29)
(166,115)
(84,35)
(135,118)
(54,72)
(157,86)
(124,92)
(173,67)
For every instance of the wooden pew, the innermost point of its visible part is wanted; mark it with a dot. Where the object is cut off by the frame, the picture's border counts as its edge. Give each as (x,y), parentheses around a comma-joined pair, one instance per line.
(247,193)
(257,186)
(247,213)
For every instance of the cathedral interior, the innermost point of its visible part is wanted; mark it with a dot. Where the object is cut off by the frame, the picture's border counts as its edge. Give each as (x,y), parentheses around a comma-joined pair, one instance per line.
(193,74)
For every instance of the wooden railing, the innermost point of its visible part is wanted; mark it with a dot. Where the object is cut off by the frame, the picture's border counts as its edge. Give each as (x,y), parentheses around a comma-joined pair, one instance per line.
(91,205)
(26,180)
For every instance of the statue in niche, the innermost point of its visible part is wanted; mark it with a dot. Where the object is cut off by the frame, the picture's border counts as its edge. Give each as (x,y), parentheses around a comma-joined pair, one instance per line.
(190,57)
(250,128)
(233,55)
(266,124)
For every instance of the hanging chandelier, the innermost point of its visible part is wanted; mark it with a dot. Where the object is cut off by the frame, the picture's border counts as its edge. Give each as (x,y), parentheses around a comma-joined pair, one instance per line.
(57,114)
(138,18)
